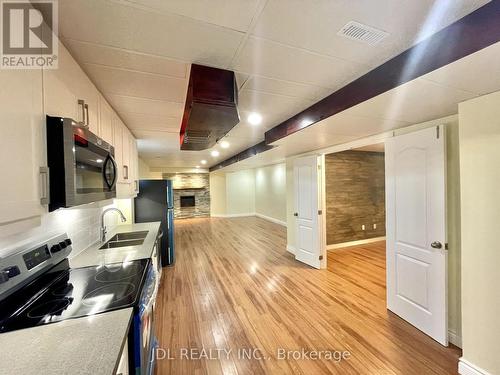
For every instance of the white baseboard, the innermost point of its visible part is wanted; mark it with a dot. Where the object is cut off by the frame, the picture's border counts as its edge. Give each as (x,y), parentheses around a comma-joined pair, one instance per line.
(454,338)
(233,215)
(467,368)
(290,249)
(354,243)
(271,219)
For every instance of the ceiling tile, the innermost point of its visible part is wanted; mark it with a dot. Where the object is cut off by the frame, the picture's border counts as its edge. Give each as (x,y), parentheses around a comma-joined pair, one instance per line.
(274,86)
(484,64)
(140,121)
(233,14)
(131,83)
(117,25)
(85,52)
(265,103)
(314,27)
(265,58)
(122,103)
(414,102)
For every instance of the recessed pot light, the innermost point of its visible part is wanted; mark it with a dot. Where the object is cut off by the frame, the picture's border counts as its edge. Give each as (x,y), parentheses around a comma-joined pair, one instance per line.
(197,166)
(215,153)
(224,144)
(254,118)
(203,162)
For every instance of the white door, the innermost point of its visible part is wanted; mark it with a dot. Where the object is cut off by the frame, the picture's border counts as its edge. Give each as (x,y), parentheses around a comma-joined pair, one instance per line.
(416,230)
(307,200)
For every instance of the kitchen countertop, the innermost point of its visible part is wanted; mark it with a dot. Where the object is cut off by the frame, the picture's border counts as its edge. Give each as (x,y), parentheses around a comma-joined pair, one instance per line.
(88,345)
(93,256)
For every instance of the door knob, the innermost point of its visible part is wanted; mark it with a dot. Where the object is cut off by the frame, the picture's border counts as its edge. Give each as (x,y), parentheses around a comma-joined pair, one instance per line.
(295,214)
(437,245)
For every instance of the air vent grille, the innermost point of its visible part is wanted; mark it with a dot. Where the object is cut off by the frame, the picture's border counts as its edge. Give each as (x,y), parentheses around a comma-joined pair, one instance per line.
(363,33)
(197,136)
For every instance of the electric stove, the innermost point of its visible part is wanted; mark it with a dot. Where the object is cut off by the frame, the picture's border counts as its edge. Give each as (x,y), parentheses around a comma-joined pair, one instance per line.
(60,293)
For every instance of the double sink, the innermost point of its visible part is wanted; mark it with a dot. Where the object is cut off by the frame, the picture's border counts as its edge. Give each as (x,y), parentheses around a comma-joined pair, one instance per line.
(125,239)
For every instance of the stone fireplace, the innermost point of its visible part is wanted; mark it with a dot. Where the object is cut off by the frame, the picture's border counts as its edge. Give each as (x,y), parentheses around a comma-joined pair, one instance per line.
(191,194)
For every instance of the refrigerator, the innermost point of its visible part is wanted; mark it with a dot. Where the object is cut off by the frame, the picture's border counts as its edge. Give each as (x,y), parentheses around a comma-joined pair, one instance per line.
(155,202)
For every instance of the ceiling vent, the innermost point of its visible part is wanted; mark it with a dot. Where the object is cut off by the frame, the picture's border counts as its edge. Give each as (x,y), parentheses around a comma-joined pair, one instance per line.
(363,33)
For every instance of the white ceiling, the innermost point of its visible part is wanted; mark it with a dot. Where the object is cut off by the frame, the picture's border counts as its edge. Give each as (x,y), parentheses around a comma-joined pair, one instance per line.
(430,97)
(286,53)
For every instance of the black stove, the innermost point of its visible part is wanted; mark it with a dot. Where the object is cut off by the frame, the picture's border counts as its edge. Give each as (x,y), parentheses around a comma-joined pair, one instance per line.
(63,293)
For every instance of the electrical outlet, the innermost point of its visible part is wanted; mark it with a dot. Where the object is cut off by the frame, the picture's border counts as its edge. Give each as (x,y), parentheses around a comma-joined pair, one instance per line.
(374,226)
(363,227)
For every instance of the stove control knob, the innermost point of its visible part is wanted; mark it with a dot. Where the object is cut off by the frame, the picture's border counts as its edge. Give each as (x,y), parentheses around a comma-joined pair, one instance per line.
(68,241)
(56,248)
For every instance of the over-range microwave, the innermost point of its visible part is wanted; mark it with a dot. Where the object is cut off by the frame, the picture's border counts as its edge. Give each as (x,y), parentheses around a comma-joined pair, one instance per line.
(81,165)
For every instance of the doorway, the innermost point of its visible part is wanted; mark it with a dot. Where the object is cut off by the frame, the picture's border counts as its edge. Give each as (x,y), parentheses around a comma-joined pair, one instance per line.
(355,197)
(414,199)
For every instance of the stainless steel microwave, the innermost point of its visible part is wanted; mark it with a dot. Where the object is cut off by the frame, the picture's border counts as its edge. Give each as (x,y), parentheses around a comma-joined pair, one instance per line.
(82,168)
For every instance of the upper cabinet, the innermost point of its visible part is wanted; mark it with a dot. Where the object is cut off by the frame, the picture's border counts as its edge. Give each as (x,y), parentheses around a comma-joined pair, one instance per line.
(68,92)
(22,129)
(26,97)
(106,121)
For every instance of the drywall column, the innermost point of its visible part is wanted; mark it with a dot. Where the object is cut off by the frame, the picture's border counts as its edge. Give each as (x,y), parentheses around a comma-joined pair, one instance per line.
(479,123)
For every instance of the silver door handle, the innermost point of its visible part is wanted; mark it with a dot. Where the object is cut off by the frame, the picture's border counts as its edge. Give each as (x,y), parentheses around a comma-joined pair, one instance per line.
(87,121)
(82,103)
(437,245)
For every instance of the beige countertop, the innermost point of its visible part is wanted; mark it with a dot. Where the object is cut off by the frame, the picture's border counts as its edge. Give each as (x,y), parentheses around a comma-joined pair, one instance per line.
(93,256)
(88,345)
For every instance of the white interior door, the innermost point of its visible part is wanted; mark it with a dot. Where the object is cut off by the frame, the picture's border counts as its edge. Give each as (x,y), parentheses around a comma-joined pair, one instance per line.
(416,230)
(307,201)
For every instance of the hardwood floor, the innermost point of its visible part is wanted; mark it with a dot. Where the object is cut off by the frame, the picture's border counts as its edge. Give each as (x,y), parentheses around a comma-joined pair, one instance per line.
(235,287)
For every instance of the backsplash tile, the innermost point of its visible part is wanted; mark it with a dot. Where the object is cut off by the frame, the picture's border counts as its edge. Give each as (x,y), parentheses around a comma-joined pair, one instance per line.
(82,224)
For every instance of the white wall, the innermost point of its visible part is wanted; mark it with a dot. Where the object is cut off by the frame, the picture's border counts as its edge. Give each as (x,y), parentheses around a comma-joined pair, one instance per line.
(479,122)
(217,194)
(240,193)
(260,191)
(270,192)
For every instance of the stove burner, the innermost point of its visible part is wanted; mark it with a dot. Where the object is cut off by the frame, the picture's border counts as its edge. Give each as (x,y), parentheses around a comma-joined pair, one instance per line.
(108,294)
(49,308)
(118,272)
(63,290)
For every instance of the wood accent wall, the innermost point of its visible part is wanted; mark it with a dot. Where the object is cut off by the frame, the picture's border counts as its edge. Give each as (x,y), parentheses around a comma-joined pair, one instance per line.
(355,196)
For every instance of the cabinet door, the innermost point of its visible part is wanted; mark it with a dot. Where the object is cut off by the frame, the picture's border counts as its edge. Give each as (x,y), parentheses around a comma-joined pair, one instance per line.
(106,121)
(65,86)
(22,132)
(59,97)
(126,155)
(134,165)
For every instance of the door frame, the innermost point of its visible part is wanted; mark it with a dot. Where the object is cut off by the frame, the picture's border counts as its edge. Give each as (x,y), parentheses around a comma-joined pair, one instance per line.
(379,138)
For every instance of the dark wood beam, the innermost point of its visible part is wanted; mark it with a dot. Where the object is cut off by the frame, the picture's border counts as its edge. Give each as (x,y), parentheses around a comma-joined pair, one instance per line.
(469,34)
(245,154)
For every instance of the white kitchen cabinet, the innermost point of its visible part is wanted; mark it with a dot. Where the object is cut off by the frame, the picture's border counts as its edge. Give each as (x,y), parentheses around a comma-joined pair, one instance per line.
(106,120)
(22,132)
(68,92)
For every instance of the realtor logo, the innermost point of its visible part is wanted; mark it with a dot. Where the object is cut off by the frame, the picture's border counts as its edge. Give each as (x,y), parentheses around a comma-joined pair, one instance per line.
(29,34)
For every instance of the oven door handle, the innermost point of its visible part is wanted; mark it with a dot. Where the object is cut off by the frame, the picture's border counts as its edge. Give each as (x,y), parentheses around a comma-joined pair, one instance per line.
(109,159)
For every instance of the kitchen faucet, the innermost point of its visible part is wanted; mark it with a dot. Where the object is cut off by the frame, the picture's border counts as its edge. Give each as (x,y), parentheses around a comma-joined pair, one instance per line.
(103,227)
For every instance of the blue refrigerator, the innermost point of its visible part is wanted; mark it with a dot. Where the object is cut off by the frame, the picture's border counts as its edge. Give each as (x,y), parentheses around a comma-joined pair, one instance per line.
(155,202)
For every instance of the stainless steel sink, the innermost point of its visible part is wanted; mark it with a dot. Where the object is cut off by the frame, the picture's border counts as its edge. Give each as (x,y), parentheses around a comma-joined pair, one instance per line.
(125,239)
(129,236)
